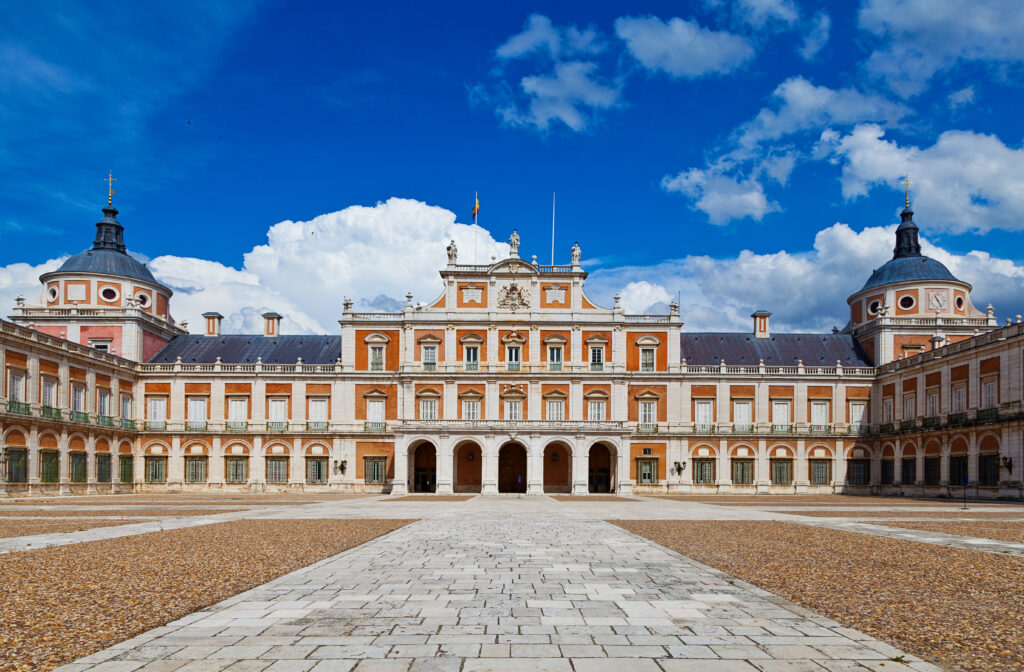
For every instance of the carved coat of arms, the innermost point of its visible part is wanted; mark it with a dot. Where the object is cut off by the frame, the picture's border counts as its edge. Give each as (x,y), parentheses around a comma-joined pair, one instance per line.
(513,298)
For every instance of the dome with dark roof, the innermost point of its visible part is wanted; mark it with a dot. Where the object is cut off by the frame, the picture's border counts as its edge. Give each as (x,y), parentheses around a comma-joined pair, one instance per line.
(108,255)
(907,263)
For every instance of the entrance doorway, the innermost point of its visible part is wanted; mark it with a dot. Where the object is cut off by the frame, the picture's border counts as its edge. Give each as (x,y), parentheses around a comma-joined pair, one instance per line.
(424,468)
(600,470)
(512,468)
(557,468)
(468,461)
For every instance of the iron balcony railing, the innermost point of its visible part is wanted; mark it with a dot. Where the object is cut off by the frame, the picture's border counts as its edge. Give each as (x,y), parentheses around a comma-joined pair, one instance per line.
(743,428)
(19,407)
(79,416)
(908,425)
(554,366)
(956,418)
(157,425)
(596,367)
(931,422)
(277,426)
(196,425)
(316,426)
(514,366)
(986,414)
(429,366)
(886,428)
(647,428)
(821,429)
(375,427)
(704,428)
(236,425)
(104,421)
(472,366)
(51,413)
(127,424)
(779,428)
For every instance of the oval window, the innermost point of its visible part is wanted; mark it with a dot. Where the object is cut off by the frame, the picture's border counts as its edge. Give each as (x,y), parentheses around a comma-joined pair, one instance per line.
(959,303)
(906,302)
(108,294)
(873,307)
(51,293)
(142,300)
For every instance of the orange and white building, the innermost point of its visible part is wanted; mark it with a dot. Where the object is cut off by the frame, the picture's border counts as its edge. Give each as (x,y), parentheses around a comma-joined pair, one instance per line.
(510,380)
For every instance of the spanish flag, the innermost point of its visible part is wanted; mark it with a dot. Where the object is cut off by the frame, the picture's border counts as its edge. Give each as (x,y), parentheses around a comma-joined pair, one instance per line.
(476,206)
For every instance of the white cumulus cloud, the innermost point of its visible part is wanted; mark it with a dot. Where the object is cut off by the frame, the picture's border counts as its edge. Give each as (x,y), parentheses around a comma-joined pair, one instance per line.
(569,95)
(682,47)
(722,197)
(817,36)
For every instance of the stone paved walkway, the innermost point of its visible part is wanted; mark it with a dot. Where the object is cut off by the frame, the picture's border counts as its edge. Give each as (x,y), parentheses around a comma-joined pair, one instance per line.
(538,587)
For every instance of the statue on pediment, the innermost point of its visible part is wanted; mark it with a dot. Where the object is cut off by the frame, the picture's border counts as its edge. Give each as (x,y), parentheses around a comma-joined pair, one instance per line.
(453,252)
(576,253)
(513,243)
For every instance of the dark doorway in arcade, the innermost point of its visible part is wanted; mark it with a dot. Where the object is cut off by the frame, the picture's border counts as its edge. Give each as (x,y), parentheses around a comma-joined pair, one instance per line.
(600,469)
(424,468)
(512,468)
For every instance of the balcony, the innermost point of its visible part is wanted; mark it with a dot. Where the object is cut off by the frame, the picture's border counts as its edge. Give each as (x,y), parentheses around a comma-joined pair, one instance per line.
(554,366)
(956,419)
(931,422)
(104,421)
(51,413)
(196,425)
(908,425)
(316,426)
(277,426)
(887,428)
(513,366)
(79,416)
(375,427)
(781,428)
(704,428)
(988,414)
(821,429)
(156,425)
(236,425)
(376,366)
(430,366)
(472,366)
(127,424)
(594,366)
(19,407)
(860,428)
(743,428)
(647,428)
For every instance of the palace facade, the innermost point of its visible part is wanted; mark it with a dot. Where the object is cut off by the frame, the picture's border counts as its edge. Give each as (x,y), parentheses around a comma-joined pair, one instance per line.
(511,380)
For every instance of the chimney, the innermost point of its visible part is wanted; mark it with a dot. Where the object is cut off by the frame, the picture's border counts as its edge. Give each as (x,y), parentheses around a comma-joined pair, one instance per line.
(271,324)
(761,324)
(213,323)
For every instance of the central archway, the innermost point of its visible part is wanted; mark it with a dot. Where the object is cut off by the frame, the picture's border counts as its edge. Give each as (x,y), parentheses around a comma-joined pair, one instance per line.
(468,467)
(512,468)
(424,472)
(557,468)
(601,469)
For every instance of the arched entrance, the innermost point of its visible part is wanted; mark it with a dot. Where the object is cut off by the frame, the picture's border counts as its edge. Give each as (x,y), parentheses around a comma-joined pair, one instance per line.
(512,468)
(424,471)
(601,469)
(557,468)
(468,467)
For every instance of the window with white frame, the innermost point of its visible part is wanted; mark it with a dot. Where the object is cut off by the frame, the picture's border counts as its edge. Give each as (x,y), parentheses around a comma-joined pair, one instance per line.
(156,411)
(103,402)
(648,412)
(428,409)
(49,392)
(375,410)
(278,410)
(513,357)
(703,413)
(16,386)
(596,357)
(318,410)
(932,404)
(909,407)
(470,409)
(556,409)
(238,410)
(78,398)
(780,413)
(513,409)
(472,357)
(197,412)
(819,413)
(596,410)
(554,358)
(887,410)
(647,359)
(126,406)
(376,358)
(742,414)
(989,393)
(858,413)
(960,399)
(429,357)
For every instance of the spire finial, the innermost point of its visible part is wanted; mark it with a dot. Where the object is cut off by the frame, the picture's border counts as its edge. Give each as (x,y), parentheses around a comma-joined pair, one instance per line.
(110,179)
(906,188)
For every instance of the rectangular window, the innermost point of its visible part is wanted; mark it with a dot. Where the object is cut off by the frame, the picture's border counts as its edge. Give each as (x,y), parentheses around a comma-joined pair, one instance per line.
(703,410)
(647,471)
(278,409)
(858,414)
(156,412)
(17,465)
(821,472)
(554,358)
(103,468)
(932,471)
(597,358)
(195,470)
(318,412)
(49,467)
(236,469)
(648,412)
(908,475)
(16,386)
(988,469)
(887,410)
(470,409)
(595,411)
(78,467)
(512,357)
(888,472)
(959,399)
(277,470)
(78,398)
(472,358)
(909,407)
(103,402)
(989,393)
(819,413)
(376,358)
(428,409)
(374,469)
(316,470)
(743,472)
(780,415)
(742,415)
(647,359)
(513,409)
(782,472)
(932,404)
(156,469)
(375,410)
(49,392)
(958,470)
(704,472)
(126,466)
(238,409)
(556,410)
(126,406)
(429,357)
(858,472)
(197,412)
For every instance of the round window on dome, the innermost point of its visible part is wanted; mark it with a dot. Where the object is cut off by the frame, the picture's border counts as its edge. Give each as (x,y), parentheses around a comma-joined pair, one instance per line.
(108,294)
(142,300)
(874,307)
(959,303)
(907,302)
(52,294)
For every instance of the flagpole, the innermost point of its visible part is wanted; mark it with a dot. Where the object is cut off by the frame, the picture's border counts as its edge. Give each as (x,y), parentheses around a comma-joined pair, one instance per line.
(476,229)
(552,228)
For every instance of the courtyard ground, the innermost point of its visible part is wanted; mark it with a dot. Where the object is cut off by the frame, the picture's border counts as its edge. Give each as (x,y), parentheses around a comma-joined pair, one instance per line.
(507,583)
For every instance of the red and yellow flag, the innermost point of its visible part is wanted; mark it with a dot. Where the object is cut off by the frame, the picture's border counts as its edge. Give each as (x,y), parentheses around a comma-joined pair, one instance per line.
(476,206)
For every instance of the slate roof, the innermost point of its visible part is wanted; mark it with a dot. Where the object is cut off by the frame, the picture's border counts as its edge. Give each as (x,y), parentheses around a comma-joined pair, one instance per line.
(245,349)
(907,269)
(777,350)
(107,262)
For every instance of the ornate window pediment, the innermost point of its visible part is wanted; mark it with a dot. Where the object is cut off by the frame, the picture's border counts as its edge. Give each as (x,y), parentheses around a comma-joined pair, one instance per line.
(512,393)
(596,395)
(428,339)
(471,394)
(428,393)
(555,339)
(555,395)
(596,339)
(648,395)
(648,339)
(513,337)
(471,339)
(377,338)
(375,393)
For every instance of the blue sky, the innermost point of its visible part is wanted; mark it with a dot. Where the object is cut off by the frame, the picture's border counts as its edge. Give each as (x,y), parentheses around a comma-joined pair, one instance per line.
(688,143)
